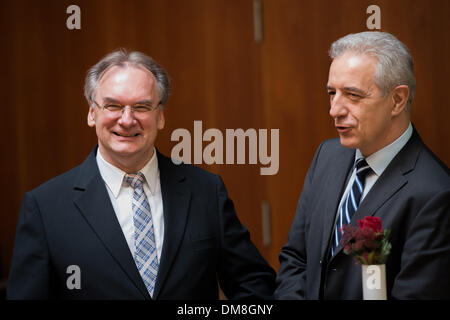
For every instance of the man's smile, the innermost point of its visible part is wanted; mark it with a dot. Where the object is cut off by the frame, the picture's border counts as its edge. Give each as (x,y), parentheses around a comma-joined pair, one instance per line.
(126,135)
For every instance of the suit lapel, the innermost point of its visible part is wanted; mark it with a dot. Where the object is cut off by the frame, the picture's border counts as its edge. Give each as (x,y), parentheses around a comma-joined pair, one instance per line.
(332,192)
(386,186)
(95,205)
(176,199)
(390,181)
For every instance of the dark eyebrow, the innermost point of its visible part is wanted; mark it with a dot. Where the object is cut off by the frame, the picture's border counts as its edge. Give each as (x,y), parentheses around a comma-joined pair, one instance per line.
(349,89)
(112,100)
(355,90)
(145,101)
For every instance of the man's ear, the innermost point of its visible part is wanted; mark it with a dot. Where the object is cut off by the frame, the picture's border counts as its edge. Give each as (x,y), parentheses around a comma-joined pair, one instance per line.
(161,121)
(91,117)
(400,96)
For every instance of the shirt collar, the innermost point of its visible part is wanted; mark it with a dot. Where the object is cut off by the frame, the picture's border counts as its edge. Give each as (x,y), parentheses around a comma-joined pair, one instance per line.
(379,160)
(113,176)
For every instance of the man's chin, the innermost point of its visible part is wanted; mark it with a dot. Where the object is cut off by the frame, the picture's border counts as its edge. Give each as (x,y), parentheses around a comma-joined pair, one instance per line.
(130,150)
(124,149)
(348,143)
(126,152)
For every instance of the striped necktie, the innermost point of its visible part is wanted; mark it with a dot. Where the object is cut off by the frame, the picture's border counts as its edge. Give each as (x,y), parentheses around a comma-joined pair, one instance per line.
(351,202)
(145,254)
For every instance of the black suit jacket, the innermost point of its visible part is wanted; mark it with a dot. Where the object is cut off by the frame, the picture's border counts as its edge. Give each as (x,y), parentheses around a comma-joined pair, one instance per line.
(412,198)
(69,220)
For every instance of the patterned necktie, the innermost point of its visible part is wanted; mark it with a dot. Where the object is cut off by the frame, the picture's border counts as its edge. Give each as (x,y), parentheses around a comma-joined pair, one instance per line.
(351,202)
(145,254)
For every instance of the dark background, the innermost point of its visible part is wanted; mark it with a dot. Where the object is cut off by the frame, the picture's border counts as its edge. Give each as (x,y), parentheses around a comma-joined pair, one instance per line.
(220,76)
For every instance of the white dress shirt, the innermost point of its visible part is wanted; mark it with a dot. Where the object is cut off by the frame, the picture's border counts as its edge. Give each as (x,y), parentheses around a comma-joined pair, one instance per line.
(378,161)
(121,194)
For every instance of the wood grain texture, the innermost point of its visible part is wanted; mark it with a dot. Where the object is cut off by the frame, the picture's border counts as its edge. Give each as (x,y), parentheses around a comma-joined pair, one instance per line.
(219,76)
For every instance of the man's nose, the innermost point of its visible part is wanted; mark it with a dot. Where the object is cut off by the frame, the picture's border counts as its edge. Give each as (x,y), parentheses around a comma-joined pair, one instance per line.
(337,106)
(127,117)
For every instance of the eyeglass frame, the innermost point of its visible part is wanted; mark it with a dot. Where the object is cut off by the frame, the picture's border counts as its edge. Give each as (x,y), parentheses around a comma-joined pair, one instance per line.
(132,108)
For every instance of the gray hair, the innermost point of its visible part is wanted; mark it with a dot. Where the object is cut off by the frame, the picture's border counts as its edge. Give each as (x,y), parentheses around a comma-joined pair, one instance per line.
(122,58)
(395,64)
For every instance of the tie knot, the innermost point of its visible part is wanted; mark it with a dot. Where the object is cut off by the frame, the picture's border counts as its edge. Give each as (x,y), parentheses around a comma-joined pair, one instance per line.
(362,168)
(135,180)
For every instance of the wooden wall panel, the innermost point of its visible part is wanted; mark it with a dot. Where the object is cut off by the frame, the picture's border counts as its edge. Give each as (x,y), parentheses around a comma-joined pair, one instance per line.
(213,65)
(295,71)
(220,76)
(206,46)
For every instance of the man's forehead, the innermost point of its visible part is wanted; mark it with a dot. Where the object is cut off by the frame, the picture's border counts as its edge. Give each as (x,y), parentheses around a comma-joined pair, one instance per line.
(352,68)
(354,61)
(121,72)
(127,84)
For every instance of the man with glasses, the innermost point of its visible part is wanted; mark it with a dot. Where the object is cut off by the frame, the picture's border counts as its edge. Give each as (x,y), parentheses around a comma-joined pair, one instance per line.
(128,223)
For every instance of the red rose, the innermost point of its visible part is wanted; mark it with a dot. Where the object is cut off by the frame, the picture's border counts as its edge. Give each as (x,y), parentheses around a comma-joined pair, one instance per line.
(373,223)
(367,243)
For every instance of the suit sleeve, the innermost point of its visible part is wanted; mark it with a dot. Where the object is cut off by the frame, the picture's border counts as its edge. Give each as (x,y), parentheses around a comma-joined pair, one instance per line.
(29,272)
(242,272)
(425,259)
(291,279)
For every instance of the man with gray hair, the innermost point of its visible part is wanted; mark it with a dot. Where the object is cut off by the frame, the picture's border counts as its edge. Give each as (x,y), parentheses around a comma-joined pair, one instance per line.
(379,167)
(128,223)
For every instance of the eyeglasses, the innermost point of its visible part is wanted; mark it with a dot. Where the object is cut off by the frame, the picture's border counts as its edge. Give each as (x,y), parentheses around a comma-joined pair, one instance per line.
(118,109)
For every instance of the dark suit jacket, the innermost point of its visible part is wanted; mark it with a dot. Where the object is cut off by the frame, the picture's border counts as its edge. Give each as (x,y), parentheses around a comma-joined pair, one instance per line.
(412,198)
(69,220)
